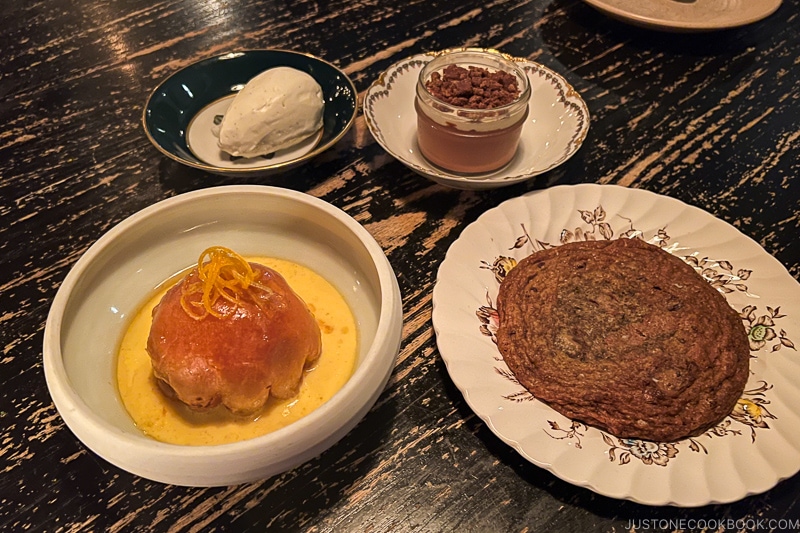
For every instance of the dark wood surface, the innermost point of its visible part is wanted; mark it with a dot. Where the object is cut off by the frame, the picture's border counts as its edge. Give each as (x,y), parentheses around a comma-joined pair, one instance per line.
(711,119)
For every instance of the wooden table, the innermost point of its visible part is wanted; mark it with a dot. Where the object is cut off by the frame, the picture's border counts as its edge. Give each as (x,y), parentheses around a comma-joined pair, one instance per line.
(711,119)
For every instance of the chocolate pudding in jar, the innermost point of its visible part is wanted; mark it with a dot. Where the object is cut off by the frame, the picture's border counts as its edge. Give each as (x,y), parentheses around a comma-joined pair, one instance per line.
(471,106)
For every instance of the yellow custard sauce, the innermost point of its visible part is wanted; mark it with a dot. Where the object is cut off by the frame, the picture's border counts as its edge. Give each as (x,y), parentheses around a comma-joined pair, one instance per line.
(171,421)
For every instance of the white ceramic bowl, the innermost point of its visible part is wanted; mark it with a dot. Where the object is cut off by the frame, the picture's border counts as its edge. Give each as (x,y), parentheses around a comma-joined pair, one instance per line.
(115,276)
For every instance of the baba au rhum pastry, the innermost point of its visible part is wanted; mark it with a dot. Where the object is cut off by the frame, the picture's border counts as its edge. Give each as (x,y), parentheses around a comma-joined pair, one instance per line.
(231,333)
(623,336)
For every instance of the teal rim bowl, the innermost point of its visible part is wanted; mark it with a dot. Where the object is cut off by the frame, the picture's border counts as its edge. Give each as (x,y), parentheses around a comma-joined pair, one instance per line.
(173,105)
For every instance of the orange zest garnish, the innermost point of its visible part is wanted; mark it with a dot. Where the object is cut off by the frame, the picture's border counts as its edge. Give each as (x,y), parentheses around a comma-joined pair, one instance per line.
(222,274)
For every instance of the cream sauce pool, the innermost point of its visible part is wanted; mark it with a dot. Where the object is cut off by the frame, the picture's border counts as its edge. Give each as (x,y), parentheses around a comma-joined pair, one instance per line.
(170,421)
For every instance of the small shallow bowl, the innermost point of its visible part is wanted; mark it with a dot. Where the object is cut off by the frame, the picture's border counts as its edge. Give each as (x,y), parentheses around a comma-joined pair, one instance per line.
(120,271)
(556,126)
(180,112)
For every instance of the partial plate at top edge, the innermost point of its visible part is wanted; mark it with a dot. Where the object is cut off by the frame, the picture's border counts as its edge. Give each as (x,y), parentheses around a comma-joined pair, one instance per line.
(687,15)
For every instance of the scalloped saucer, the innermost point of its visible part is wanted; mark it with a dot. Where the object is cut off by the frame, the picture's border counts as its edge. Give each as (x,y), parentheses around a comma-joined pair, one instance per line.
(556,126)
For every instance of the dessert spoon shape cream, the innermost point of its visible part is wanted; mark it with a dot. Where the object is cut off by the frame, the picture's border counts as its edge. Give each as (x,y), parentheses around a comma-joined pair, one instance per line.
(278,108)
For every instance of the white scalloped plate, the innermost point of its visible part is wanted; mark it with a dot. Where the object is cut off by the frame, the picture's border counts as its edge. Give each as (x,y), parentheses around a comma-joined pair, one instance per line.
(748,453)
(556,126)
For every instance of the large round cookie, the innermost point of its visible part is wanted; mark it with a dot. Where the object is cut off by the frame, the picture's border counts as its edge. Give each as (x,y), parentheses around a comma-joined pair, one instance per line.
(623,336)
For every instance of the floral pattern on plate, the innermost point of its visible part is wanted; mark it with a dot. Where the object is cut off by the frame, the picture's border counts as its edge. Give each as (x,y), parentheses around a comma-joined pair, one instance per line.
(760,432)
(750,409)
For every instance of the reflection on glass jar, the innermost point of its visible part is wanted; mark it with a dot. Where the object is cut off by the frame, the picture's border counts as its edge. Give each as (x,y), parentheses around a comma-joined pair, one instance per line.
(463,139)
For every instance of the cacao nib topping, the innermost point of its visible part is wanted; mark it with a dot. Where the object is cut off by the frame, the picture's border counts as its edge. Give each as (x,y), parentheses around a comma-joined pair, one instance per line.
(473,87)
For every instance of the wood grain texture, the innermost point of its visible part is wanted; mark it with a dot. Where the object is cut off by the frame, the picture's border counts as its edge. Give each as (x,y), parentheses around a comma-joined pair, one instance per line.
(710,119)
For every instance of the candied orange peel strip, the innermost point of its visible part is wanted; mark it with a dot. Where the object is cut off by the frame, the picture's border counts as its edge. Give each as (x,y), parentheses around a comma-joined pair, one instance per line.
(222,274)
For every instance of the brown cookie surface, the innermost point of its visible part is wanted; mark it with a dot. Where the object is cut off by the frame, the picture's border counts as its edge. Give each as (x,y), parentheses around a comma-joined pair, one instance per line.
(623,336)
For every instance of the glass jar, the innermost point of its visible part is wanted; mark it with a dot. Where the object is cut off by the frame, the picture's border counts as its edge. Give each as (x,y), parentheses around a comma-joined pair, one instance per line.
(466,140)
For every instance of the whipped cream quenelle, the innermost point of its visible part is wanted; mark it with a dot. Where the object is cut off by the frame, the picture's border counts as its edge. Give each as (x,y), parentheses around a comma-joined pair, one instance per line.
(276,109)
